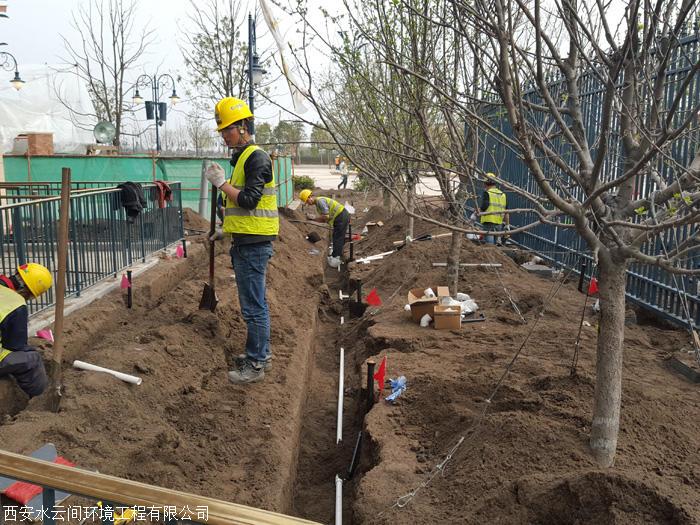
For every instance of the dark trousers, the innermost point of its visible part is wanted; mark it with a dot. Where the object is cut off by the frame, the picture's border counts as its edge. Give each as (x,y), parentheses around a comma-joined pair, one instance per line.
(344,182)
(28,370)
(340,232)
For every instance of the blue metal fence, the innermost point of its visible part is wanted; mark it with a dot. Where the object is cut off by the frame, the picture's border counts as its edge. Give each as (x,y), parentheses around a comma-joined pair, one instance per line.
(647,285)
(103,241)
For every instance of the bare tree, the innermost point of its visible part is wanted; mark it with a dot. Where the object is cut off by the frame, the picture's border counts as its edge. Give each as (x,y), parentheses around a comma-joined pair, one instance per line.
(214,52)
(108,44)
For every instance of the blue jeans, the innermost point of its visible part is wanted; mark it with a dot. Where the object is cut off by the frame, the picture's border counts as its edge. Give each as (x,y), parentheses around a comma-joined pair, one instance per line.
(250,264)
(491,227)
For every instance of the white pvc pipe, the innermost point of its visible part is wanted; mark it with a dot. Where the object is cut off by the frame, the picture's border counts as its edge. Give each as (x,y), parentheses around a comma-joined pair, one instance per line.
(339,426)
(338,500)
(94,368)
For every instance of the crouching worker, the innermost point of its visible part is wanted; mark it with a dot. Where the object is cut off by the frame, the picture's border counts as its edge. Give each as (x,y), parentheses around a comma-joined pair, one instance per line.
(17,358)
(334,214)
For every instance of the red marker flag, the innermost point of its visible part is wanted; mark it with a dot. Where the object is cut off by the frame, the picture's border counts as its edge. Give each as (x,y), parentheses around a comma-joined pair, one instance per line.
(125,282)
(373,299)
(379,375)
(593,286)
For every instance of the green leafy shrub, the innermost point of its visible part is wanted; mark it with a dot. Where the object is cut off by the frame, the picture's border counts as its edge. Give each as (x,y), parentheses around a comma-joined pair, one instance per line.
(303,183)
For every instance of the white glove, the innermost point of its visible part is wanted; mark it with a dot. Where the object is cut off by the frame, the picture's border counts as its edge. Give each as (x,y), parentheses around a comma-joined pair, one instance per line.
(216,236)
(216,175)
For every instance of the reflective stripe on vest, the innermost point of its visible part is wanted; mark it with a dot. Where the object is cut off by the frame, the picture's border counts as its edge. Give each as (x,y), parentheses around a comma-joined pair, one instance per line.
(334,208)
(264,218)
(9,302)
(497,203)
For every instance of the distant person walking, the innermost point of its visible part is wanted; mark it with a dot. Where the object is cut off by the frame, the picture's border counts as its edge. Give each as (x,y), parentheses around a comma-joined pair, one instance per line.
(492,210)
(337,162)
(335,214)
(344,174)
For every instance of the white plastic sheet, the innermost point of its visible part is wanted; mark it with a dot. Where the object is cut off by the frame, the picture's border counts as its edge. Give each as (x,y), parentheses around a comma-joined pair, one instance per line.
(42,106)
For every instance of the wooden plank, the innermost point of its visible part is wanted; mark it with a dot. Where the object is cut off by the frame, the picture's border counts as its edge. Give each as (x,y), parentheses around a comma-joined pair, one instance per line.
(132,493)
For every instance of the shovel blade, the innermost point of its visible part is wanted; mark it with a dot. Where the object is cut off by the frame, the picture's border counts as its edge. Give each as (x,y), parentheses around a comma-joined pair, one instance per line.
(209,299)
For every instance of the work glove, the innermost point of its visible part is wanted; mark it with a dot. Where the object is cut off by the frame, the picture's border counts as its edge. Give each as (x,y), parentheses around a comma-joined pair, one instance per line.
(507,227)
(218,235)
(216,175)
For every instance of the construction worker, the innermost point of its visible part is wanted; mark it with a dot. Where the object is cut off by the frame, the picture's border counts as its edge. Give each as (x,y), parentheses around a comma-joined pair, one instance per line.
(17,358)
(335,214)
(492,210)
(251,218)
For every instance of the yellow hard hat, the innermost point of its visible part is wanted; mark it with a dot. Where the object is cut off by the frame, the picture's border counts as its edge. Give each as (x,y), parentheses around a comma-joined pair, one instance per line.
(304,195)
(37,278)
(491,175)
(229,110)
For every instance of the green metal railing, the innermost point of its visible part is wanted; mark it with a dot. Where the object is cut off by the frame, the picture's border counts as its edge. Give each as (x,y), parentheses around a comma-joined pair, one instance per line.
(102,240)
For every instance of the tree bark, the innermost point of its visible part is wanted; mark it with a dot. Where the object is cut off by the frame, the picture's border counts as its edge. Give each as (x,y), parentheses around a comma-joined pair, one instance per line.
(386,197)
(453,263)
(410,203)
(608,386)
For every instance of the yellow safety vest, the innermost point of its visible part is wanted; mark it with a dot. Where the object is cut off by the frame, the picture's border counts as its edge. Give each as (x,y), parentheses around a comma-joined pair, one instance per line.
(9,302)
(263,219)
(497,203)
(334,208)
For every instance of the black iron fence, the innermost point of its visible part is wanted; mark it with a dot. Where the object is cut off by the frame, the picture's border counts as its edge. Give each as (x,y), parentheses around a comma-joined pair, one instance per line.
(674,297)
(102,239)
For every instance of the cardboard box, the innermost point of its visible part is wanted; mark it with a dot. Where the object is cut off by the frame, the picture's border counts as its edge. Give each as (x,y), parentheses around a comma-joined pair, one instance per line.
(33,144)
(447,317)
(420,307)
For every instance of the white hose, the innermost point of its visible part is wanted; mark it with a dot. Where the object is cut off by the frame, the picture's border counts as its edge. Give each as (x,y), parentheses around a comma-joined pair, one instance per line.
(338,500)
(94,368)
(339,430)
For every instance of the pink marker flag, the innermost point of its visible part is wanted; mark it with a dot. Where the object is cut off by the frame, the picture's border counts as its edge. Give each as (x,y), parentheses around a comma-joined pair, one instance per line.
(125,282)
(179,251)
(45,334)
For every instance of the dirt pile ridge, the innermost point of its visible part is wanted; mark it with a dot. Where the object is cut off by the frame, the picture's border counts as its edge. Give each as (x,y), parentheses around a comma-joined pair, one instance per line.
(527,461)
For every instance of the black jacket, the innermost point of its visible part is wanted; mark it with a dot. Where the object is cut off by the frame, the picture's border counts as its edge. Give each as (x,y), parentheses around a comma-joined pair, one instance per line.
(132,199)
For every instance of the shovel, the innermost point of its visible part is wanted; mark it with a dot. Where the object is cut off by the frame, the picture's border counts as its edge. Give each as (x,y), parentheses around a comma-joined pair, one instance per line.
(209,298)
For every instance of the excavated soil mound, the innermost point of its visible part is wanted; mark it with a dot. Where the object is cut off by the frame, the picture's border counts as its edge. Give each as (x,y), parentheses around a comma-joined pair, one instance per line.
(527,459)
(186,427)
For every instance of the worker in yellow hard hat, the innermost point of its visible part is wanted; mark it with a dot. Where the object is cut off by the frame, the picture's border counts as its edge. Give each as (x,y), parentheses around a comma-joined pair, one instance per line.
(17,358)
(252,221)
(492,211)
(335,214)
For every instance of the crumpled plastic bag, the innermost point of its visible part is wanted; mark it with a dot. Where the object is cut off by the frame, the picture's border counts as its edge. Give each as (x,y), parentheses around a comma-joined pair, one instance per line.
(425,320)
(398,385)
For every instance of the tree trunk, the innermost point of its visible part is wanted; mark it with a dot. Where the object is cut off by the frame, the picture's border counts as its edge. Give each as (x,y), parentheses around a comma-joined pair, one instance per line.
(410,203)
(386,197)
(608,385)
(453,263)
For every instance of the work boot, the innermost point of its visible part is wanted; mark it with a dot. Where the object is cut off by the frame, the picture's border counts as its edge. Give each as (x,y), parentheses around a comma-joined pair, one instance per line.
(266,365)
(246,373)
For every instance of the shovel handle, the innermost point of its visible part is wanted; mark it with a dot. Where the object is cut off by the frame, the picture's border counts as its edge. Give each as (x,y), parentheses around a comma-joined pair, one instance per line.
(212,231)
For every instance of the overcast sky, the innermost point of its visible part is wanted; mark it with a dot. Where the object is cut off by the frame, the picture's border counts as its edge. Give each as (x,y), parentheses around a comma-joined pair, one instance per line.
(34,28)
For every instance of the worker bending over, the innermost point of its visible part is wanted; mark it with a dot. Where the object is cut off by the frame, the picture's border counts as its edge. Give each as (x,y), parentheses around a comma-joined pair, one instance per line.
(335,214)
(17,358)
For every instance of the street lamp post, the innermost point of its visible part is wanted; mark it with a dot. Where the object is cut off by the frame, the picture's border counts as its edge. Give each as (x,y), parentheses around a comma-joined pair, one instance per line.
(155,109)
(8,63)
(255,71)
